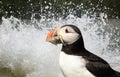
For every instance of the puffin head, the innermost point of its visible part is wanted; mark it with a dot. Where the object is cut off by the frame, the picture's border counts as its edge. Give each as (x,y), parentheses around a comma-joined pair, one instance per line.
(66,35)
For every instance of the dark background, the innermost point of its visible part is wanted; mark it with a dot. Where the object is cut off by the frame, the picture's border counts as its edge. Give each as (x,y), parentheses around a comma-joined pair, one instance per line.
(24,9)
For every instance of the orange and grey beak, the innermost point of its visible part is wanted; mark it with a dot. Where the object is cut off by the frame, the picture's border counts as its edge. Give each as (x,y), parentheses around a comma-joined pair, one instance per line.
(53,36)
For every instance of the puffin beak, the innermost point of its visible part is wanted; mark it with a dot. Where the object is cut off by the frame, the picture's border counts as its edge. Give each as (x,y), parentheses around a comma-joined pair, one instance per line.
(53,36)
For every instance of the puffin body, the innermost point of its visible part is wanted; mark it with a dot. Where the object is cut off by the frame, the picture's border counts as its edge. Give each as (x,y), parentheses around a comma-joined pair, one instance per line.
(75,60)
(73,66)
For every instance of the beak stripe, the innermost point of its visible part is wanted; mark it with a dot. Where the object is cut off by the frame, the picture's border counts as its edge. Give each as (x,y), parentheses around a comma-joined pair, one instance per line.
(61,38)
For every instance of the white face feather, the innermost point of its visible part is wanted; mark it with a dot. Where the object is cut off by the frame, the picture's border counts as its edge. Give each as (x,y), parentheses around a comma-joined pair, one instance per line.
(68,34)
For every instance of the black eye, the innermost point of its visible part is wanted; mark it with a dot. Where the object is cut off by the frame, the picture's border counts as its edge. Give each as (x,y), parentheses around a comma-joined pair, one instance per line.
(66,31)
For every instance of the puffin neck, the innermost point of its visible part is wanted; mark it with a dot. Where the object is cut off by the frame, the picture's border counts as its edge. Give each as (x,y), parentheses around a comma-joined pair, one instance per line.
(75,48)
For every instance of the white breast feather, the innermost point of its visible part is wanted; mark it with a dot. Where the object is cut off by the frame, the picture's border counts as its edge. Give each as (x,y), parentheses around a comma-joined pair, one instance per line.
(73,66)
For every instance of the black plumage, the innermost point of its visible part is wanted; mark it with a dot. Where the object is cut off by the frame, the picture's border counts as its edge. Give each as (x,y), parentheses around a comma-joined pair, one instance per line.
(94,64)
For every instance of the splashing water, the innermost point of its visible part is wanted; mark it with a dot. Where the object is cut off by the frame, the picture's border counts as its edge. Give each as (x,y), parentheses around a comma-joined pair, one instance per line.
(25,53)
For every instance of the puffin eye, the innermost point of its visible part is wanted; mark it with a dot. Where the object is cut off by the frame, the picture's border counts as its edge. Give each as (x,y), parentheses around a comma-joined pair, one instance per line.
(66,31)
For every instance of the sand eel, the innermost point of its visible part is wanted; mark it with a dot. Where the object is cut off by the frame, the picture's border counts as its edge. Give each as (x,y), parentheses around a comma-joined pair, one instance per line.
(75,59)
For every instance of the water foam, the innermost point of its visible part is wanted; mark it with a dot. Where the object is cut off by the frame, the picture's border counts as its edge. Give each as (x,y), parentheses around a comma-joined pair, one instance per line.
(25,53)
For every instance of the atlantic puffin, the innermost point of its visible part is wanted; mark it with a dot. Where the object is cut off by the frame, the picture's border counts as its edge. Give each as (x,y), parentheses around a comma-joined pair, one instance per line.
(75,60)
